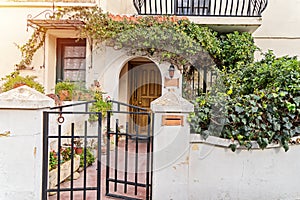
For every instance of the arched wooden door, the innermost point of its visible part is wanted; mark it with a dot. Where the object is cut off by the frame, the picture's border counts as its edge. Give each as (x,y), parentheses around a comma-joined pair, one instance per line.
(145,85)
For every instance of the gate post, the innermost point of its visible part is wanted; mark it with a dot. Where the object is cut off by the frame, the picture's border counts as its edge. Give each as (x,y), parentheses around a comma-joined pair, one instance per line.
(170,147)
(21,112)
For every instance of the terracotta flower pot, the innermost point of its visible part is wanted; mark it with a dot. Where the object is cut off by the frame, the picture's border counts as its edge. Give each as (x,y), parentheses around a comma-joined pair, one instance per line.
(78,150)
(64,95)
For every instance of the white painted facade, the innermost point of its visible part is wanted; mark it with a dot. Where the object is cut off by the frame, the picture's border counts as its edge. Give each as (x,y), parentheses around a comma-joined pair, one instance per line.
(206,170)
(277,29)
(280,28)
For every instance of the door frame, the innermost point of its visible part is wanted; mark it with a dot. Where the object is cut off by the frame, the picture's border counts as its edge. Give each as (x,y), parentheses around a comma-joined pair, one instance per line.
(130,81)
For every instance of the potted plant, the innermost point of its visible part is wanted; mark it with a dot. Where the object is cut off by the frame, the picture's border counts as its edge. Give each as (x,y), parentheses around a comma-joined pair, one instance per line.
(64,90)
(78,146)
(100,105)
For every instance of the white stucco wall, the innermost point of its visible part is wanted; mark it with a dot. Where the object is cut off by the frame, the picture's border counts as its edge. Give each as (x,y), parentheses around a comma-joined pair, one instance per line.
(14,30)
(119,7)
(21,112)
(208,169)
(280,30)
(215,172)
(13,23)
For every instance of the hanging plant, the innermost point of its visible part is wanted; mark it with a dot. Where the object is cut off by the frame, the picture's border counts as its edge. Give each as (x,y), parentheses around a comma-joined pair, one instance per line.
(28,50)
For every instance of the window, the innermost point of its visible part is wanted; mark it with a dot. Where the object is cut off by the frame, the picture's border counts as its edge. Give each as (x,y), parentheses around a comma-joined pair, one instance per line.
(71,60)
(192,7)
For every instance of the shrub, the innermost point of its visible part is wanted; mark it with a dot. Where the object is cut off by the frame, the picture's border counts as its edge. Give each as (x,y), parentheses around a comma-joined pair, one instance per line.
(90,158)
(14,80)
(100,105)
(262,103)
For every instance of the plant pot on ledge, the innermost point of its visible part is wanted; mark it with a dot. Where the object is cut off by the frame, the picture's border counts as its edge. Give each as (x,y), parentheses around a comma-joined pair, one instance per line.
(64,95)
(65,171)
(65,90)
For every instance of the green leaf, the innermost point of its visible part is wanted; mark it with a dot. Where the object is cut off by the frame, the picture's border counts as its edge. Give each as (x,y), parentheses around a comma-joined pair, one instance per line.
(288,125)
(239,109)
(254,109)
(232,147)
(277,126)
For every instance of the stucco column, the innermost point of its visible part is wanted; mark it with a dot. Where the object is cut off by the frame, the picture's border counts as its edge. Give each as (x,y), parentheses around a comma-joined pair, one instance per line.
(170,147)
(21,143)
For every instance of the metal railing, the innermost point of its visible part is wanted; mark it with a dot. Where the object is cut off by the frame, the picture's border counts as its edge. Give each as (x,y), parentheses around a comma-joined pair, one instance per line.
(197,81)
(134,108)
(224,8)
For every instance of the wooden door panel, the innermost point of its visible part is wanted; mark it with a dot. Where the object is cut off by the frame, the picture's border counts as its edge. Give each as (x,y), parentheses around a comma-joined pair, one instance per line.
(146,86)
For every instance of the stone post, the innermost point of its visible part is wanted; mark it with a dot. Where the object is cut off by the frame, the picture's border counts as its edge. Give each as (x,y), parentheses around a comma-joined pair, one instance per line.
(171,147)
(21,112)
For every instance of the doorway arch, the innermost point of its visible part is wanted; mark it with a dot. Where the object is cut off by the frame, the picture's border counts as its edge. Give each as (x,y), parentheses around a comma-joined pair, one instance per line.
(140,83)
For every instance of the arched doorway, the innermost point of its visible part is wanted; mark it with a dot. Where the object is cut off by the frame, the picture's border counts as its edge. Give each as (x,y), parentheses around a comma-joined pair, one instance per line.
(140,84)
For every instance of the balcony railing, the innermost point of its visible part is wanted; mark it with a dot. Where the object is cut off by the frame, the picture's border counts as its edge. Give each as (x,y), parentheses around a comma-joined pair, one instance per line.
(218,8)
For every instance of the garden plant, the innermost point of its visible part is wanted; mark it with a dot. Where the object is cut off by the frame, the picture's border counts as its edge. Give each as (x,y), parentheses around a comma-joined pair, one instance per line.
(258,101)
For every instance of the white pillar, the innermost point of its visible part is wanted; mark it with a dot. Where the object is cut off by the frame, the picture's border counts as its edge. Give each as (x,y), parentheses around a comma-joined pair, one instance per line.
(170,147)
(21,143)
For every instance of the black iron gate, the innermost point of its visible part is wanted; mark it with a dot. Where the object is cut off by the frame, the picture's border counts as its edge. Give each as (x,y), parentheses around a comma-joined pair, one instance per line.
(129,153)
(128,171)
(65,133)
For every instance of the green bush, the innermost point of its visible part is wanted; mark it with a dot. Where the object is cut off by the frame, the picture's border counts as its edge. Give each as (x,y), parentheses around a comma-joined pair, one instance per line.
(15,80)
(261,103)
(90,158)
(100,105)
(237,49)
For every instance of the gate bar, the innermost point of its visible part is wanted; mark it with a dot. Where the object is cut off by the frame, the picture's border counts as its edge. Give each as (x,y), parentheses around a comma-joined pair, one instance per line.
(116,153)
(126,157)
(107,152)
(58,164)
(45,157)
(72,160)
(84,159)
(99,156)
(148,159)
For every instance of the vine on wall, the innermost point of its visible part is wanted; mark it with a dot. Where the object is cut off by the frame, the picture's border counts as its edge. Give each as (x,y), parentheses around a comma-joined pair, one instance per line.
(258,105)
(28,49)
(123,32)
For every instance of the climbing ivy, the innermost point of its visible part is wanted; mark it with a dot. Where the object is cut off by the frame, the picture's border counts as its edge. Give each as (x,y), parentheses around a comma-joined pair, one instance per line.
(261,103)
(261,99)
(178,38)
(28,50)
